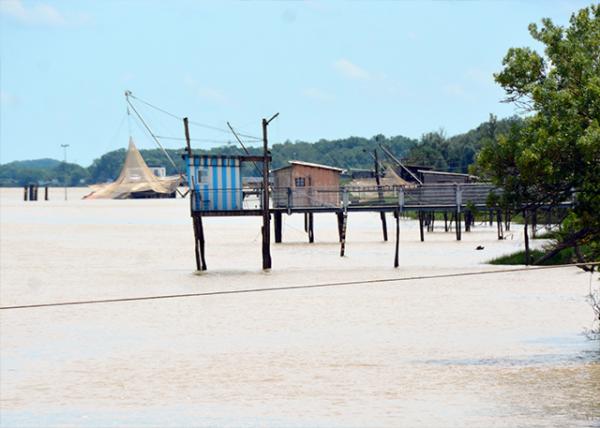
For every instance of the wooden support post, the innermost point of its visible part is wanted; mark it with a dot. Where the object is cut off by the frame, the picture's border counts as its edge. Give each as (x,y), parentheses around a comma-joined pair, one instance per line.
(46,193)
(196,243)
(311,232)
(421,226)
(266,229)
(458,209)
(380,195)
(499,224)
(306,222)
(340,223)
(25,193)
(343,234)
(526,236)
(397,253)
(445,221)
(31,193)
(278,226)
(383,225)
(199,242)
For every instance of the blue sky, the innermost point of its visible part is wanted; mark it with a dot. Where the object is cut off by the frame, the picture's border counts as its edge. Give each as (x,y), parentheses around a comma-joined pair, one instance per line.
(332,69)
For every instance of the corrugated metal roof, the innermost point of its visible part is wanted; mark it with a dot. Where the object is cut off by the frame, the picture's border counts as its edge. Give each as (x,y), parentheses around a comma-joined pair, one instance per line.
(312,165)
(444,173)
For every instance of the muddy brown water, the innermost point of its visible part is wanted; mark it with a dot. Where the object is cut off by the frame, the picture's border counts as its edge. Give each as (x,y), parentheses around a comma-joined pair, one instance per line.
(500,350)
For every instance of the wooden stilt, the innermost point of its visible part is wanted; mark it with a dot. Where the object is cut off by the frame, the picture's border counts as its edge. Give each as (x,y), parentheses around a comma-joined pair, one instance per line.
(196,243)
(421,226)
(383,226)
(199,242)
(306,222)
(343,234)
(311,232)
(25,193)
(445,221)
(340,223)
(266,232)
(458,226)
(278,226)
(526,236)
(397,253)
(499,224)
(46,193)
(31,194)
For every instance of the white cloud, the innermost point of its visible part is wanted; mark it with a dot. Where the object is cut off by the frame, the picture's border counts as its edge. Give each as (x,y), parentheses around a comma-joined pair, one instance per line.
(39,14)
(351,70)
(317,94)
(205,92)
(480,76)
(454,89)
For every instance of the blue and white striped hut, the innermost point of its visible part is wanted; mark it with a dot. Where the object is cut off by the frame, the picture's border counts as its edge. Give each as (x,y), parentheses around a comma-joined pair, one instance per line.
(216,181)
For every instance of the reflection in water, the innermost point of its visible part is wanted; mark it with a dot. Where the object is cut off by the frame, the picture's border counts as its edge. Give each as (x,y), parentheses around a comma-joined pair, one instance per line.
(500,350)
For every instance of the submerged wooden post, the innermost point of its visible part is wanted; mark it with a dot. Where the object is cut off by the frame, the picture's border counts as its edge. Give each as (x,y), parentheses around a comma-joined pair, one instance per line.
(46,193)
(397,252)
(199,243)
(278,226)
(458,226)
(380,195)
(446,221)
(499,224)
(31,194)
(343,236)
(458,212)
(25,193)
(340,221)
(266,229)
(199,239)
(344,224)
(306,222)
(526,236)
(421,226)
(311,232)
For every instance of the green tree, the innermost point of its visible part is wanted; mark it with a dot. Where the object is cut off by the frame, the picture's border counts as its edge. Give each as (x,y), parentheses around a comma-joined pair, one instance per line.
(555,156)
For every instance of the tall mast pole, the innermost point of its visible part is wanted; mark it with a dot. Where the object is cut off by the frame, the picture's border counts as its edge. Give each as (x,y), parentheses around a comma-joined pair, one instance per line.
(266,229)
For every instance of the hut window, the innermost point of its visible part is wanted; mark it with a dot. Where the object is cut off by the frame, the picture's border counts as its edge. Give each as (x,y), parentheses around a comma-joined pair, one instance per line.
(202,175)
(299,182)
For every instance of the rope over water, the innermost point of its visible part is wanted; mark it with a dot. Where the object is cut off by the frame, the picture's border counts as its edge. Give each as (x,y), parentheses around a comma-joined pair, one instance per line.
(296,287)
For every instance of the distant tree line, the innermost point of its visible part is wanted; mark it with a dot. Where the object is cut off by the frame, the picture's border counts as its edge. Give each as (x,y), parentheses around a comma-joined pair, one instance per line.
(433,149)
